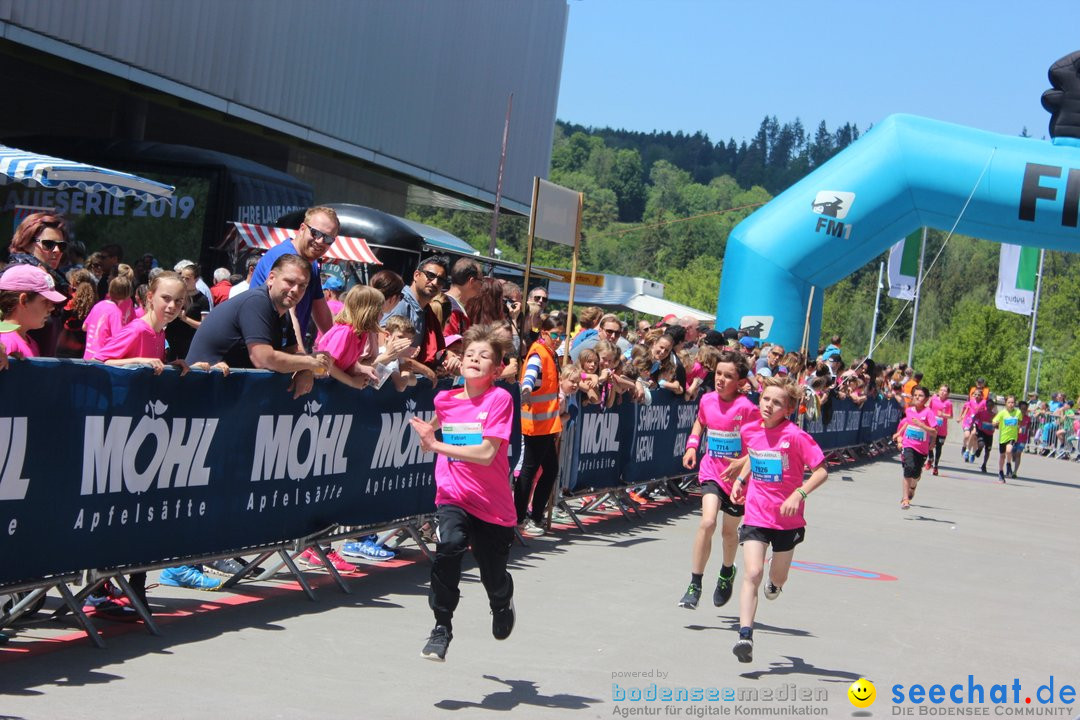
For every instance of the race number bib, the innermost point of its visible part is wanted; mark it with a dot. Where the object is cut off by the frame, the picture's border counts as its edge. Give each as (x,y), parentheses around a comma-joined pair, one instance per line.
(462,434)
(987,427)
(766,466)
(724,444)
(915,434)
(1011,421)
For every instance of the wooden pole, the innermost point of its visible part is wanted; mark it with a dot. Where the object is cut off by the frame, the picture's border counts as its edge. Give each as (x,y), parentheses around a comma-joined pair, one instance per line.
(528,266)
(573,271)
(806,327)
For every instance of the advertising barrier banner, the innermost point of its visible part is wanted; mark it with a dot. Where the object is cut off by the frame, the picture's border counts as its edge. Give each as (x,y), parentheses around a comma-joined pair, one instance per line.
(106,467)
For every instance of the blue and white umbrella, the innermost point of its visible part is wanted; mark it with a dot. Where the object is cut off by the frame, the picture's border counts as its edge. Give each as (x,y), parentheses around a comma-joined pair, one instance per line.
(36,169)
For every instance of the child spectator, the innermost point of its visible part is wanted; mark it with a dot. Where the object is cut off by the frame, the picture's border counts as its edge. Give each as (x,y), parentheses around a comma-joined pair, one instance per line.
(354,337)
(107,317)
(473,501)
(72,341)
(769,479)
(27,298)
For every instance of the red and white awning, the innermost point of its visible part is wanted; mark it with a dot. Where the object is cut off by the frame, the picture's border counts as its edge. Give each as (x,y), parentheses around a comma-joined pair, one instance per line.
(351,249)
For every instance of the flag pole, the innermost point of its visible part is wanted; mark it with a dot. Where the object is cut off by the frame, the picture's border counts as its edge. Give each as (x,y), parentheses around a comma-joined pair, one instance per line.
(918,292)
(1034,321)
(877,307)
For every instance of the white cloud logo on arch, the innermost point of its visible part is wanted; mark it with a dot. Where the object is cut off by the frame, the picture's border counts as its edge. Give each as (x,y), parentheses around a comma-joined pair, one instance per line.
(833,203)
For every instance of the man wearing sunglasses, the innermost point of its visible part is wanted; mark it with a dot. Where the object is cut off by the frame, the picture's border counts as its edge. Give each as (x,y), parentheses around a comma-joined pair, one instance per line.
(430,279)
(769,364)
(317,233)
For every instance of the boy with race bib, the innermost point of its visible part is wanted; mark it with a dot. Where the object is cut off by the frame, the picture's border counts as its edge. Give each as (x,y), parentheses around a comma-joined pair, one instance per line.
(1007,421)
(473,501)
(769,479)
(721,415)
(915,435)
(943,409)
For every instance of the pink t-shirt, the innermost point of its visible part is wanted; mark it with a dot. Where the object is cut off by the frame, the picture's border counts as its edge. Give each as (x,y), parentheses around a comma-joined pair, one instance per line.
(13,342)
(341,342)
(135,340)
(943,409)
(483,492)
(127,310)
(1025,428)
(104,321)
(778,457)
(335,307)
(984,421)
(914,437)
(971,409)
(721,440)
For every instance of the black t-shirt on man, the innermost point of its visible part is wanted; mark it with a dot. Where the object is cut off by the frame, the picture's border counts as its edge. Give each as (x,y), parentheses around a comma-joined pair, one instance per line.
(248,318)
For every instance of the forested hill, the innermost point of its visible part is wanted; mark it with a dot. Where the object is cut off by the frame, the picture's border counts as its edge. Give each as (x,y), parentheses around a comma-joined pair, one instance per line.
(661,205)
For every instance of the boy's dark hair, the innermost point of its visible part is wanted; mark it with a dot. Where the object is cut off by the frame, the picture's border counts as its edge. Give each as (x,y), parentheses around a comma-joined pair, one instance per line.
(737,359)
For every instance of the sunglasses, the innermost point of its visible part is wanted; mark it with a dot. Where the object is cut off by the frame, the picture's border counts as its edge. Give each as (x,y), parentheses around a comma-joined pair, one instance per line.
(51,245)
(324,238)
(434,277)
(538,299)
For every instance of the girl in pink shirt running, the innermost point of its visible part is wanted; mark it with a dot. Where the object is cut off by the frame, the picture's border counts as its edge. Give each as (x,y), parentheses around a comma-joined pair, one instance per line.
(943,409)
(473,501)
(915,435)
(769,480)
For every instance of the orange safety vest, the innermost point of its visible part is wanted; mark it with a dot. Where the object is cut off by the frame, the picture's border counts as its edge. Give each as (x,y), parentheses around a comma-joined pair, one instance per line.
(541,417)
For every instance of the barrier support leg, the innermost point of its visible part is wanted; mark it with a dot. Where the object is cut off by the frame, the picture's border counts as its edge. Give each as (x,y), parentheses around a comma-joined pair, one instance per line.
(22,606)
(565,506)
(265,575)
(76,609)
(328,566)
(418,537)
(79,597)
(136,603)
(298,575)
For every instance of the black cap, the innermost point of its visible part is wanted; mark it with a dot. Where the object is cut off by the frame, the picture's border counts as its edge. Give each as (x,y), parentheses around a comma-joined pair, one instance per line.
(714,338)
(731,334)
(980,381)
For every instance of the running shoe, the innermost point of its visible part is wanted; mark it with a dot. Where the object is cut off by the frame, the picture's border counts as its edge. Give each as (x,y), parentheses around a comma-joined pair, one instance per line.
(904,504)
(771,591)
(640,500)
(102,606)
(1001,477)
(502,622)
(928,465)
(226,567)
(935,471)
(690,599)
(437,643)
(311,558)
(744,650)
(1008,469)
(367,549)
(724,586)
(533,528)
(983,468)
(1013,475)
(188,576)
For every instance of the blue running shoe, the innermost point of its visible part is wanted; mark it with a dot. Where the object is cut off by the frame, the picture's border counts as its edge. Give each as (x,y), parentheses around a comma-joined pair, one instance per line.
(367,549)
(188,576)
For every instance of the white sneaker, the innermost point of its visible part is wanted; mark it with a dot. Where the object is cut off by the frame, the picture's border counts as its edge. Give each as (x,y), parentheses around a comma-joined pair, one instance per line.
(771,591)
(531,529)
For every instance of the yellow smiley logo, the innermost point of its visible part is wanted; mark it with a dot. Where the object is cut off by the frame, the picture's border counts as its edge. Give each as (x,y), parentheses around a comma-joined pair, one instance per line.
(862,693)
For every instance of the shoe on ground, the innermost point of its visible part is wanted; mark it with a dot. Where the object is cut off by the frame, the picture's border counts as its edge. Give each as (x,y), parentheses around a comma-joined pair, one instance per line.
(1001,477)
(905,504)
(100,606)
(311,558)
(188,576)
(771,591)
(226,567)
(724,586)
(928,465)
(437,643)
(983,468)
(690,599)
(533,529)
(1013,475)
(637,498)
(744,650)
(935,471)
(367,549)
(502,621)
(1008,469)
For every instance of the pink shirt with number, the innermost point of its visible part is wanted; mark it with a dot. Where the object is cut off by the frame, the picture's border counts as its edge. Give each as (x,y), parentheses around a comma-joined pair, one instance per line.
(943,410)
(778,457)
(13,342)
(721,441)
(971,409)
(343,344)
(104,321)
(917,438)
(482,491)
(135,340)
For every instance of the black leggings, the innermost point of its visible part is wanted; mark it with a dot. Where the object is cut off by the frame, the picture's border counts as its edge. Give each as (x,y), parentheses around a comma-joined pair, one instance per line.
(457,530)
(540,453)
(935,452)
(987,439)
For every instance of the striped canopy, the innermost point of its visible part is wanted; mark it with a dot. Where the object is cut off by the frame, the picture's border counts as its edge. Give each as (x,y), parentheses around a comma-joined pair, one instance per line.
(42,170)
(351,249)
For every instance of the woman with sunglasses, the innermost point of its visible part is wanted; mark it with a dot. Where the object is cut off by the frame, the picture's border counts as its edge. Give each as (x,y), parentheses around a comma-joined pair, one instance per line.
(41,240)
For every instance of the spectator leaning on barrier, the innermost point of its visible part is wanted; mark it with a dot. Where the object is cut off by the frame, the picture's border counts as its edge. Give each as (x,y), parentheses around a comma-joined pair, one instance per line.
(428,281)
(466,278)
(27,299)
(317,233)
(540,426)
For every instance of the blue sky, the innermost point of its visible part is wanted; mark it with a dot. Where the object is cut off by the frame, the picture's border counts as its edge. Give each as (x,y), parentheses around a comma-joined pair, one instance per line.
(720,67)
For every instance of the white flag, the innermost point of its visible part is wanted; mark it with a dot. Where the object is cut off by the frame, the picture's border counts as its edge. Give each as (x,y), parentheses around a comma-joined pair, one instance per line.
(904,266)
(1017,270)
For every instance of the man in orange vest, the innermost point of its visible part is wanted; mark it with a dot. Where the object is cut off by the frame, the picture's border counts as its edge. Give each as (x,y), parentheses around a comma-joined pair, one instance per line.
(540,425)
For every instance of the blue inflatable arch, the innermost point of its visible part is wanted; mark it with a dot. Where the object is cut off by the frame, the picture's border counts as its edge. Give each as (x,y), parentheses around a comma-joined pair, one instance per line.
(905,173)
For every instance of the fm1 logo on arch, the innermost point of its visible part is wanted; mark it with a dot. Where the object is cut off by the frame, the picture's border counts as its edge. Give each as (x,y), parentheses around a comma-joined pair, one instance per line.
(833,204)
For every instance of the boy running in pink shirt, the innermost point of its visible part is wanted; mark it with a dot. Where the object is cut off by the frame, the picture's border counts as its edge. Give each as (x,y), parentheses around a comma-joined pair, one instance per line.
(473,500)
(770,481)
(943,409)
(915,435)
(721,415)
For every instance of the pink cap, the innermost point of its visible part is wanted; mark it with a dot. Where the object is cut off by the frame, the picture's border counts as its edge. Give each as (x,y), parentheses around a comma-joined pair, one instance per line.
(28,278)
(451,339)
